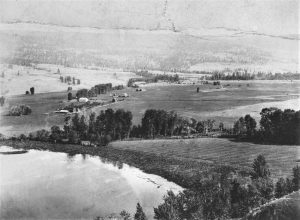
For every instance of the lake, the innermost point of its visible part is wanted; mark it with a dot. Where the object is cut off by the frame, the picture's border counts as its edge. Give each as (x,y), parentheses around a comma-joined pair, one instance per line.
(42,184)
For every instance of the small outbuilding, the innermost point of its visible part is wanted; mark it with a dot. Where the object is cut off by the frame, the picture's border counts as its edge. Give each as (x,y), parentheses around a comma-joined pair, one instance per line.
(83,100)
(85,143)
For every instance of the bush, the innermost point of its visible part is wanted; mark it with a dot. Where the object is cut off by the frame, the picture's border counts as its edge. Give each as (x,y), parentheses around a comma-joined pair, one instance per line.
(19,110)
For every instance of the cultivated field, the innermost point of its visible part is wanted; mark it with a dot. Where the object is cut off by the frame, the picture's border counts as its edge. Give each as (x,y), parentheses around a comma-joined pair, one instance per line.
(281,159)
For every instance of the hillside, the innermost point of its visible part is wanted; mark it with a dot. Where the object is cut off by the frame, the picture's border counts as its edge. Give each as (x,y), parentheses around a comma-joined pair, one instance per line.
(285,208)
(164,35)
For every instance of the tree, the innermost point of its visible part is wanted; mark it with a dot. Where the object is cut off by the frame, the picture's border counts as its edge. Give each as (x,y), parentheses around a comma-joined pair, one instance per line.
(280,188)
(92,126)
(125,215)
(239,127)
(55,133)
(70,96)
(148,123)
(32,90)
(42,135)
(82,128)
(250,124)
(260,168)
(139,215)
(296,178)
(200,127)
(221,126)
(75,123)
(73,137)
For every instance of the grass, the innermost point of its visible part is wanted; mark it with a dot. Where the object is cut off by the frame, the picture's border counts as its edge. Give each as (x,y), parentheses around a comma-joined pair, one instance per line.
(281,159)
(184,99)
(181,98)
(41,104)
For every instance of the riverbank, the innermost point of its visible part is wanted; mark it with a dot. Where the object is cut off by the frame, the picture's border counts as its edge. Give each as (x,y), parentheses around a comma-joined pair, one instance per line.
(184,172)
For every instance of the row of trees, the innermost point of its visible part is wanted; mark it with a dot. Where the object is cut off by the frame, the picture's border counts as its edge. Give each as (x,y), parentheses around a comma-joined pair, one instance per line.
(69,79)
(234,76)
(156,123)
(107,126)
(244,75)
(153,78)
(220,197)
(276,126)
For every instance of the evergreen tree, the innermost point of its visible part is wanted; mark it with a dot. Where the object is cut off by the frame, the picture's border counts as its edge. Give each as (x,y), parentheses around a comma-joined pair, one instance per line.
(139,215)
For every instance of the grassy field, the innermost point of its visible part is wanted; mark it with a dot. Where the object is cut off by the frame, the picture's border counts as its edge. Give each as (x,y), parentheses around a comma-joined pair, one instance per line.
(219,151)
(42,115)
(211,101)
(225,104)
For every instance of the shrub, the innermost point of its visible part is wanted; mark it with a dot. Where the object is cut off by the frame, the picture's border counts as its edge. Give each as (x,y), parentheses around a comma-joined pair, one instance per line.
(70,96)
(19,110)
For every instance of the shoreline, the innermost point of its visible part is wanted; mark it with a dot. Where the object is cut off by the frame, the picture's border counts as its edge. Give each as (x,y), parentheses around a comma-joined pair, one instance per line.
(182,172)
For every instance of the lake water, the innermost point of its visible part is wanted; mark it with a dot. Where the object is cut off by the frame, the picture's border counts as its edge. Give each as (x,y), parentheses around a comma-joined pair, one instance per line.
(42,184)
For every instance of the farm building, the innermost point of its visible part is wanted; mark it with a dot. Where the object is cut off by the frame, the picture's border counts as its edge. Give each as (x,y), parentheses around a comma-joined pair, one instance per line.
(83,100)
(85,143)
(62,112)
(124,95)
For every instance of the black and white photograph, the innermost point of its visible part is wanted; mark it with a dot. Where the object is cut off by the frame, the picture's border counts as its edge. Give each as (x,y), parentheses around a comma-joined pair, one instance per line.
(149,109)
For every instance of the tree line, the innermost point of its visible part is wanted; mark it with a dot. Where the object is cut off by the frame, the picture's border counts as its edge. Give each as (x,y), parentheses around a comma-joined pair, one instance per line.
(99,129)
(160,123)
(244,75)
(276,126)
(152,78)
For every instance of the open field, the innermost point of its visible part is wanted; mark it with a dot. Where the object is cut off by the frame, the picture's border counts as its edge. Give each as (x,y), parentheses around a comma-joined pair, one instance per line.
(225,104)
(212,101)
(44,78)
(281,159)
(42,106)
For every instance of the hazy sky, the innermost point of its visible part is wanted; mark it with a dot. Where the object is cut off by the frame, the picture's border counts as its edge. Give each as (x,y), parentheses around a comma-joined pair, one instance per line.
(265,16)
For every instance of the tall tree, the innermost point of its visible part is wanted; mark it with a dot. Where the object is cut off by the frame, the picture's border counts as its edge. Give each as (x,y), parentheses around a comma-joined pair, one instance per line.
(250,124)
(260,168)
(296,178)
(139,215)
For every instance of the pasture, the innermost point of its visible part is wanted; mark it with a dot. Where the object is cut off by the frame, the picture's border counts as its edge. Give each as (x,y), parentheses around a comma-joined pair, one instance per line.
(224,104)
(42,115)
(281,158)
(212,102)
